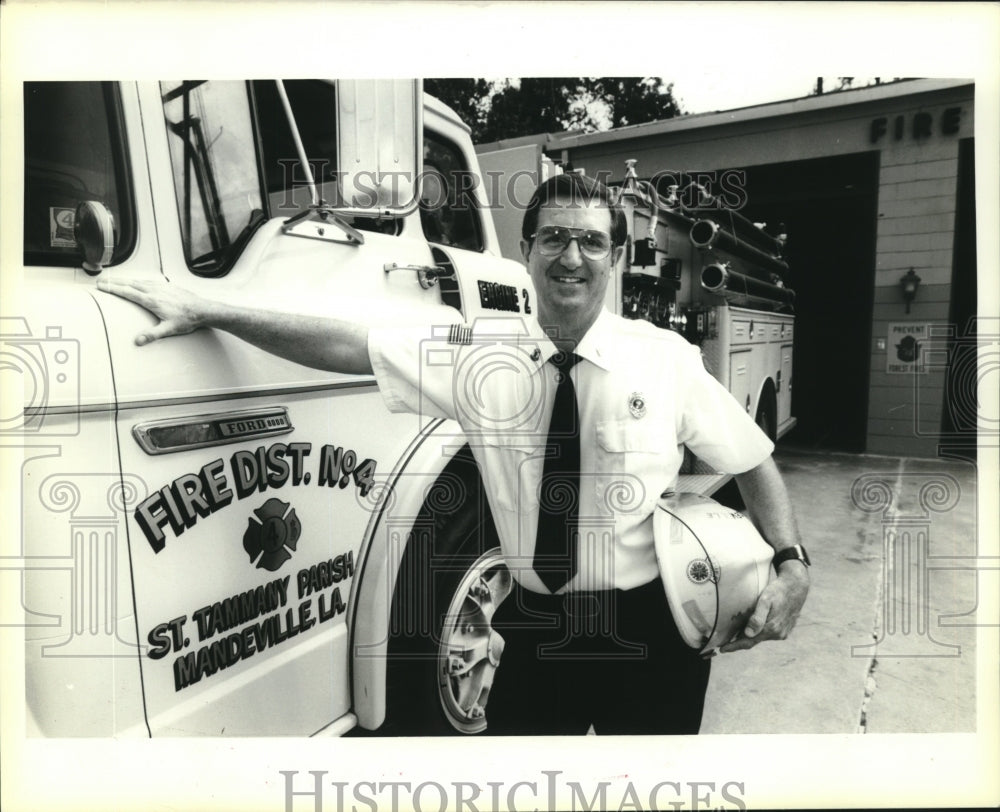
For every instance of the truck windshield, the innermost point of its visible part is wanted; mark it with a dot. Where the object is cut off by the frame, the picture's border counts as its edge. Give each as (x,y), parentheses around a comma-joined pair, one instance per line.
(217,178)
(74,151)
(235,163)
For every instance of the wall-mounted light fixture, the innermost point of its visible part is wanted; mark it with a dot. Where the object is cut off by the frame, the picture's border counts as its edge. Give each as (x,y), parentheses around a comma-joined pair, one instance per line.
(908,284)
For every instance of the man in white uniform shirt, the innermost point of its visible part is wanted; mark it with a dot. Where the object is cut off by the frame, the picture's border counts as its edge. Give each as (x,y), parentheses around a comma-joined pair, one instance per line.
(589,636)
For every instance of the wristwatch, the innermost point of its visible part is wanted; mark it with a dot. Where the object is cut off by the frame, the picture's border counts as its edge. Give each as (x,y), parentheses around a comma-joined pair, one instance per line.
(794,553)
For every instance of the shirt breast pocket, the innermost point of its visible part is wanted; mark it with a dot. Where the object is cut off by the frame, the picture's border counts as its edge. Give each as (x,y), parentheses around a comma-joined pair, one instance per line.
(636,460)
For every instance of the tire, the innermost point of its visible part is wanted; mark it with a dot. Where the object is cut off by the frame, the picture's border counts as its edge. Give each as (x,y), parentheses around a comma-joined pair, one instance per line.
(767,412)
(443,652)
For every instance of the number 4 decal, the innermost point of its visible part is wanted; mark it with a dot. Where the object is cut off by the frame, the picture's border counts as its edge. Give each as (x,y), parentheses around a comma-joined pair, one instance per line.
(364,476)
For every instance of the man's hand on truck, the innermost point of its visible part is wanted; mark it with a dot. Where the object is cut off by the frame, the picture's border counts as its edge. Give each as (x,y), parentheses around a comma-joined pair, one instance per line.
(314,341)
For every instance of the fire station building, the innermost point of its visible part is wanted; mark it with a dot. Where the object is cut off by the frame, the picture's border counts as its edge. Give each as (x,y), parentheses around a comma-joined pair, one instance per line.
(875,188)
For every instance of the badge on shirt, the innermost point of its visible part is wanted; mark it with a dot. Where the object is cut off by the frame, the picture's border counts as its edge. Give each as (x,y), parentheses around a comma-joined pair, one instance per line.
(637,405)
(459,334)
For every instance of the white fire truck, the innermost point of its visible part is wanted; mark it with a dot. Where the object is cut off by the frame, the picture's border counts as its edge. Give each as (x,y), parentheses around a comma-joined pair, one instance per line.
(215,541)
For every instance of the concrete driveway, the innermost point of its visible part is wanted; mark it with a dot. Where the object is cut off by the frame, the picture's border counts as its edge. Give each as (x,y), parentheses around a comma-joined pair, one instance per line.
(886,641)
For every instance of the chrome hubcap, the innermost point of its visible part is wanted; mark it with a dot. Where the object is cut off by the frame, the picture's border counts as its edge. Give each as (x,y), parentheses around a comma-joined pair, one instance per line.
(470,650)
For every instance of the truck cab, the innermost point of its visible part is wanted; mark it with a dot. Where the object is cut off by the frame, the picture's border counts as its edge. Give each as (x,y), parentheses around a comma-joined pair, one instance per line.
(212,535)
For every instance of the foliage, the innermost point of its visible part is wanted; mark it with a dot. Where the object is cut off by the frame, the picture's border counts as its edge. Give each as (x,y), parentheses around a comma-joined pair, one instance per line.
(847,83)
(507,108)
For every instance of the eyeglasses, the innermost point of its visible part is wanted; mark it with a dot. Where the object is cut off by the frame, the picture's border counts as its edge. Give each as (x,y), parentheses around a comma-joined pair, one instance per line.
(551,241)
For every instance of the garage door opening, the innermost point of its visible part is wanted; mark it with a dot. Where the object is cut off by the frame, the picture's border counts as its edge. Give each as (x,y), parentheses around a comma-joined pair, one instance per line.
(829,208)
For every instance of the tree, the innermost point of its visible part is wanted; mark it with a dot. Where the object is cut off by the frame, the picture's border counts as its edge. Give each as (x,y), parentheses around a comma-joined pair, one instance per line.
(464,96)
(507,108)
(634,101)
(848,83)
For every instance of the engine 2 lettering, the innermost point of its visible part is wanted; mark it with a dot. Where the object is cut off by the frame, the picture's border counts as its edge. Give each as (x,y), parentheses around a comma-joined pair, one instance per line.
(494,296)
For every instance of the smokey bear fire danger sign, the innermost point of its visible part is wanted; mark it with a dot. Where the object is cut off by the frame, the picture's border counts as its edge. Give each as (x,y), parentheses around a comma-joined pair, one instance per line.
(906,348)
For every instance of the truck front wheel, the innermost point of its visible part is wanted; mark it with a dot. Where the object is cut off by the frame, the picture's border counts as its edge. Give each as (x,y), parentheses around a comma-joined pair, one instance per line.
(443,652)
(469,651)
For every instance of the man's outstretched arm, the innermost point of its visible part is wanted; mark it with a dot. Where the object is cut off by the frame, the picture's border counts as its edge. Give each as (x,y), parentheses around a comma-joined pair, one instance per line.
(314,341)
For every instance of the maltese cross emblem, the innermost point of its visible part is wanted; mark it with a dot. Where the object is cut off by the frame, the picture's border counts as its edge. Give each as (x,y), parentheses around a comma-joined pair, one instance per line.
(272,534)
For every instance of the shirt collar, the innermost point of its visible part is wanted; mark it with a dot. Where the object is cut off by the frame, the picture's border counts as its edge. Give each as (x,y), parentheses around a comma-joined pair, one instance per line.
(596,345)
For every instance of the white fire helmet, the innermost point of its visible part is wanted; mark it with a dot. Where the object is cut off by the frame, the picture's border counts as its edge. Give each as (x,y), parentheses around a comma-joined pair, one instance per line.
(714,565)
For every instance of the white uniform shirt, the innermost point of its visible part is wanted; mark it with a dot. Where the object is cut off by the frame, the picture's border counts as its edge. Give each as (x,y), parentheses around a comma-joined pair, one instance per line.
(643,394)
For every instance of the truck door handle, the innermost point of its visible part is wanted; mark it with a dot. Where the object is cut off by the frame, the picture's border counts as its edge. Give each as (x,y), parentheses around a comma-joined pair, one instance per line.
(200,431)
(427,275)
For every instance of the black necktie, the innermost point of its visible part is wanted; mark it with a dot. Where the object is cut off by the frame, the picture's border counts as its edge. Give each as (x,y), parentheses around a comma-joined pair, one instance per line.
(559,497)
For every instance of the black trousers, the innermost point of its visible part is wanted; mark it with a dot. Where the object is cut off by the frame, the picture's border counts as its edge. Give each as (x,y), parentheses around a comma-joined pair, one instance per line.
(612,659)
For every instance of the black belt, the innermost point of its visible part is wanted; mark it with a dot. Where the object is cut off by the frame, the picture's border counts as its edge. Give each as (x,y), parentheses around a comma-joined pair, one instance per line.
(583,602)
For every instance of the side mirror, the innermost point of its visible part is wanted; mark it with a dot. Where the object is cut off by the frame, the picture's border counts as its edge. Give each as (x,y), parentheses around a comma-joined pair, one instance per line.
(94,231)
(380,145)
